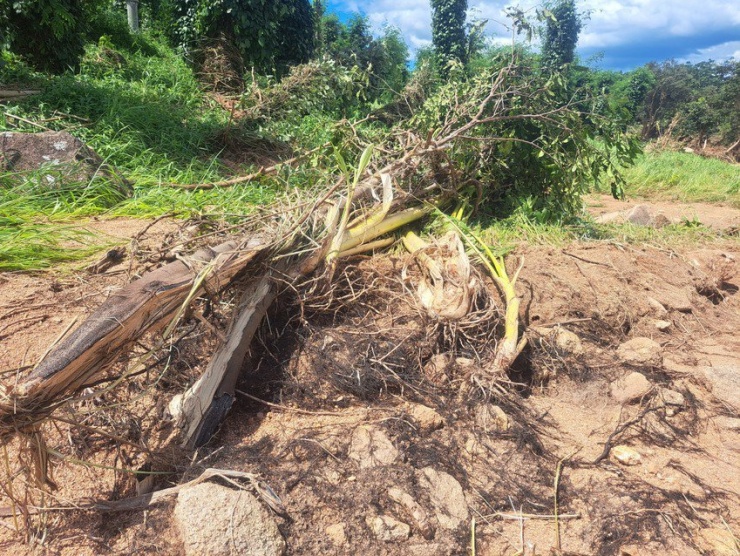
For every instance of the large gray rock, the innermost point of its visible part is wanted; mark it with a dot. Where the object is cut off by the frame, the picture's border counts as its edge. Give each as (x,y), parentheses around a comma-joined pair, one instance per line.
(220,521)
(641,352)
(63,155)
(447,497)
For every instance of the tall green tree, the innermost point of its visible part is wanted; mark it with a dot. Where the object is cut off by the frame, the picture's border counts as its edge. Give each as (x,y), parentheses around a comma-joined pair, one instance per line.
(448,31)
(318,27)
(561,34)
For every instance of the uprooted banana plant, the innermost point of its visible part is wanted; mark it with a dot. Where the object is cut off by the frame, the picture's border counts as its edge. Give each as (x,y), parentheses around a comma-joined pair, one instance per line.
(412,177)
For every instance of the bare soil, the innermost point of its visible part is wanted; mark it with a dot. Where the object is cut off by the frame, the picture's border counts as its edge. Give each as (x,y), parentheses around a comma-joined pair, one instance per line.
(365,364)
(718,217)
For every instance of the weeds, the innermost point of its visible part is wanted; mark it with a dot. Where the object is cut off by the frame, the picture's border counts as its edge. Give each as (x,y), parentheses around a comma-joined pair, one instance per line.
(685,177)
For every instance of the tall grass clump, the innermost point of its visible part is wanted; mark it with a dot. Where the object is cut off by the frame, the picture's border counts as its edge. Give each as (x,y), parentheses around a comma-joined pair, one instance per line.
(684,177)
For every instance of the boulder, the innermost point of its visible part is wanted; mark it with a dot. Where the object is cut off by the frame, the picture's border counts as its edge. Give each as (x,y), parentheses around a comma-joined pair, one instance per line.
(65,157)
(220,521)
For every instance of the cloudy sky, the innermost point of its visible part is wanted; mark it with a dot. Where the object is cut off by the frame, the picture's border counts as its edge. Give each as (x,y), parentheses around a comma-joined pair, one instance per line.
(619,34)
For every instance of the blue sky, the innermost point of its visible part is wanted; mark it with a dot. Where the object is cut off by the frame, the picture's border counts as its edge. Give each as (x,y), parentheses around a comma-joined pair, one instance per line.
(623,33)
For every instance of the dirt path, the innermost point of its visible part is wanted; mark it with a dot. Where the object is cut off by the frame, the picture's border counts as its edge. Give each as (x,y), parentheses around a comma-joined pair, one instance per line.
(714,216)
(633,355)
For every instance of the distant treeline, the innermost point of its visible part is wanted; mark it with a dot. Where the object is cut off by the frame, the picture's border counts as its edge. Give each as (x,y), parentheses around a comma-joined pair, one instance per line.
(696,102)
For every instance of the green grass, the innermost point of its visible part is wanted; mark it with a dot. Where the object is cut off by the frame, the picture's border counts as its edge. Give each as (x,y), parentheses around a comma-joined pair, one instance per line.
(683,177)
(139,106)
(141,109)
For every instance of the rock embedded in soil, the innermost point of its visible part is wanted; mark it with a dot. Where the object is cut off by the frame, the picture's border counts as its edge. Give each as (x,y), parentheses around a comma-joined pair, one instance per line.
(337,534)
(662,325)
(728,423)
(387,528)
(427,418)
(672,400)
(639,215)
(657,307)
(414,510)
(220,521)
(59,151)
(370,447)
(718,542)
(447,497)
(491,418)
(626,455)
(631,388)
(564,341)
(724,383)
(641,352)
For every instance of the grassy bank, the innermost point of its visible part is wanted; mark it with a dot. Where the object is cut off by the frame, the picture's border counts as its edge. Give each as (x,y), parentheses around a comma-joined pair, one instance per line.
(685,177)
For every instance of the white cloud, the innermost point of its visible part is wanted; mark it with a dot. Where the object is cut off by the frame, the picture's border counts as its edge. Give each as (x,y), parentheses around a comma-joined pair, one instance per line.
(718,52)
(642,29)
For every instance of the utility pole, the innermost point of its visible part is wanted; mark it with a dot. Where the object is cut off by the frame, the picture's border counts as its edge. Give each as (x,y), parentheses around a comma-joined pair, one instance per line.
(132,9)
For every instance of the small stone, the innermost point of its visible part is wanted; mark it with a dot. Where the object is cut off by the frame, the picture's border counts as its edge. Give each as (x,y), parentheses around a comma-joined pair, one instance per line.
(491,418)
(729,423)
(639,216)
(337,534)
(641,352)
(631,388)
(568,342)
(661,221)
(427,418)
(658,309)
(672,400)
(414,510)
(370,447)
(671,397)
(564,341)
(447,497)
(663,325)
(474,447)
(216,520)
(436,369)
(626,455)
(718,542)
(388,529)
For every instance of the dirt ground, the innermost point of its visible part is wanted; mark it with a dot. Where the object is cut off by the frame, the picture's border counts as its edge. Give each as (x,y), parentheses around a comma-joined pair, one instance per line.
(384,434)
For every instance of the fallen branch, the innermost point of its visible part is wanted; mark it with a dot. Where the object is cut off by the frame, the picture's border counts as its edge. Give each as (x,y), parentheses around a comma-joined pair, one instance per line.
(146,501)
(8,94)
(249,177)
